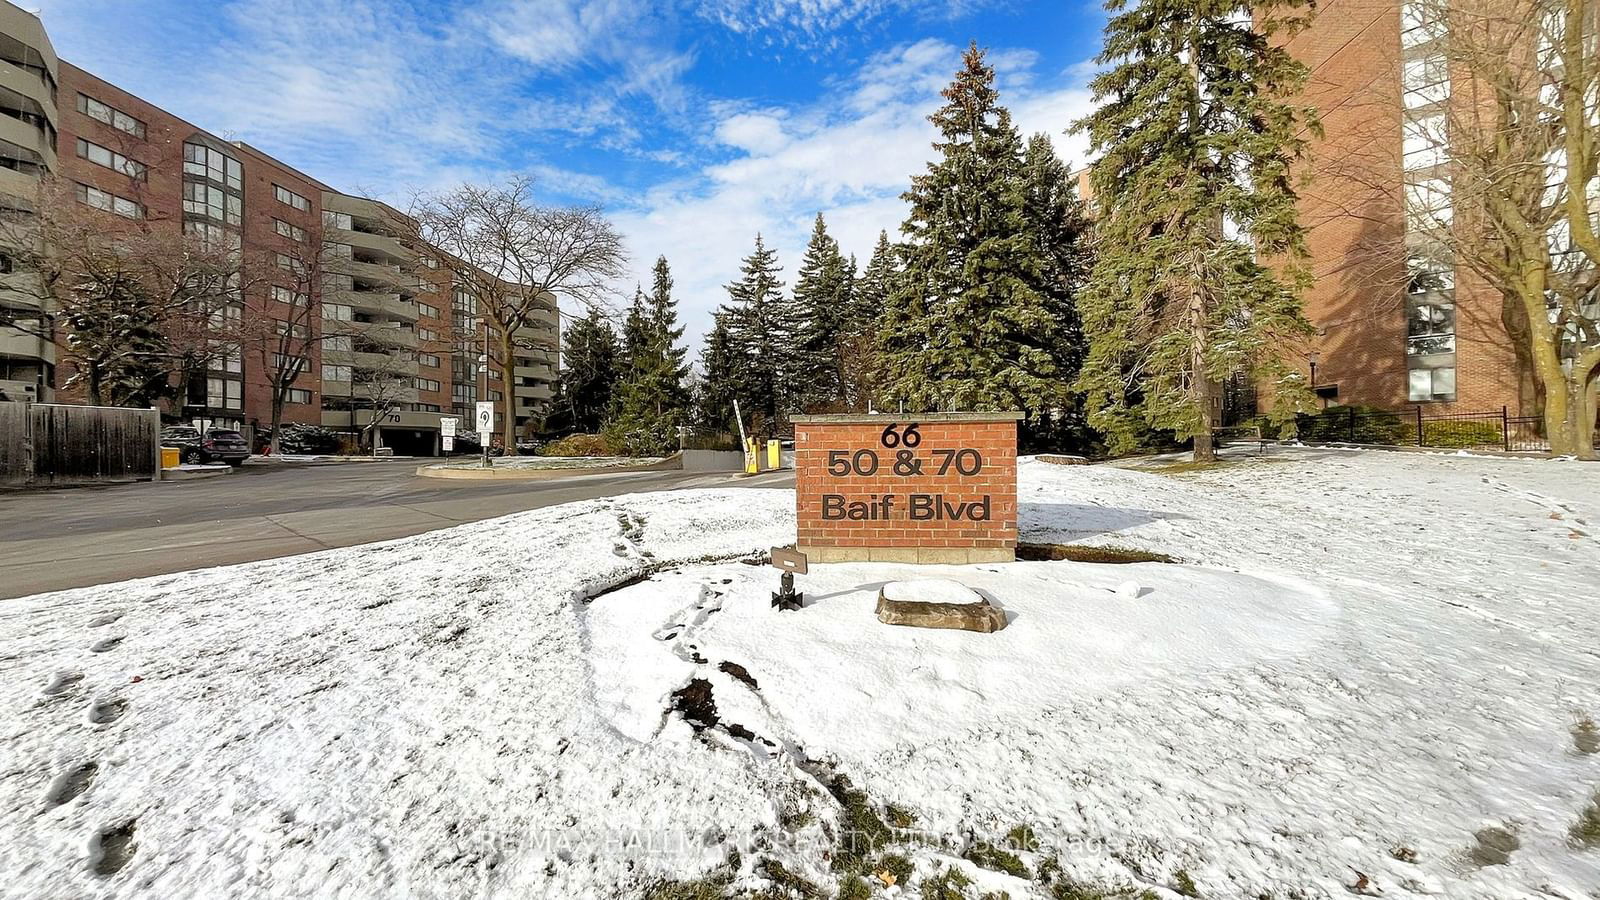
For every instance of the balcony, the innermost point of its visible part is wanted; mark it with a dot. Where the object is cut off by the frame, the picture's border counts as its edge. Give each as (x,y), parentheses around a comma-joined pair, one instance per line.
(533,392)
(388,364)
(380,244)
(376,273)
(379,303)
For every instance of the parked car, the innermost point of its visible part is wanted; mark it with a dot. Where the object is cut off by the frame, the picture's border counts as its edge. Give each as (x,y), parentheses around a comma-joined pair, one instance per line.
(214,445)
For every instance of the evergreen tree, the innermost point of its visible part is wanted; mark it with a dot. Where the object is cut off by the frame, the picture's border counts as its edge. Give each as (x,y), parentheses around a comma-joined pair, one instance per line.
(1055,218)
(651,401)
(635,330)
(968,324)
(721,372)
(1194,130)
(761,329)
(589,373)
(822,292)
(872,289)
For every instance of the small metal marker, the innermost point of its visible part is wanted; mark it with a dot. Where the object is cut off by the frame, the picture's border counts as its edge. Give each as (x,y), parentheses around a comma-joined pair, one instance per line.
(790,563)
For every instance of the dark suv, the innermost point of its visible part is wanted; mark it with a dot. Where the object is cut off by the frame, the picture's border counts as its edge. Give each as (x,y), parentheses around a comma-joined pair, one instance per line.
(215,445)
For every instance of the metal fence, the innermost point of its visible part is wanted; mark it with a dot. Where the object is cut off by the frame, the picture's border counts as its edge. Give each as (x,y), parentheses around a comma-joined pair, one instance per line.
(1497,430)
(45,444)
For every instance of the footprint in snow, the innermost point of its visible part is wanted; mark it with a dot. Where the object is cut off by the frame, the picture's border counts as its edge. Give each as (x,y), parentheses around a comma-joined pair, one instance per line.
(105,644)
(112,849)
(62,682)
(69,785)
(103,620)
(104,712)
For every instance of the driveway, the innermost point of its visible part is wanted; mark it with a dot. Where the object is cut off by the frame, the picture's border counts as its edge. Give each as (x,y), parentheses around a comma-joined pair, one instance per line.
(82,536)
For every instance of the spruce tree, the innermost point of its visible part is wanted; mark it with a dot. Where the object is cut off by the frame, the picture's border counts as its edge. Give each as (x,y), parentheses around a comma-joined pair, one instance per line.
(968,325)
(635,329)
(722,370)
(871,291)
(589,374)
(1194,129)
(1060,230)
(822,291)
(761,330)
(651,401)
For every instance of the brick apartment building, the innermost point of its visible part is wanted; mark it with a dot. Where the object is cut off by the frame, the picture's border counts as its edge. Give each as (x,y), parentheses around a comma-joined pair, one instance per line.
(1399,322)
(383,315)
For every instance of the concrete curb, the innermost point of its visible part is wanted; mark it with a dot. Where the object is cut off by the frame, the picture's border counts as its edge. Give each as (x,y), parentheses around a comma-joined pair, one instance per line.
(194,474)
(434,470)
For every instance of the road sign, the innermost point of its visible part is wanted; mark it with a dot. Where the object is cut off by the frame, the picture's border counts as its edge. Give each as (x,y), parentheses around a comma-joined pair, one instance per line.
(448,441)
(485,418)
(447,427)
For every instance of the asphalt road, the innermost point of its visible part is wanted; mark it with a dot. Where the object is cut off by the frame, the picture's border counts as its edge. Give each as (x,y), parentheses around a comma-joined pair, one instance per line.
(83,536)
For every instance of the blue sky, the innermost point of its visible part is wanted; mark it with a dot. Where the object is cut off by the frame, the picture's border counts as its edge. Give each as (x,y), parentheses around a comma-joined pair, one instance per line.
(693,124)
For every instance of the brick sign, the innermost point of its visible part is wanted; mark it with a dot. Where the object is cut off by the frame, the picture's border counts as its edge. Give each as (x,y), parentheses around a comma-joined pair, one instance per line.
(934,488)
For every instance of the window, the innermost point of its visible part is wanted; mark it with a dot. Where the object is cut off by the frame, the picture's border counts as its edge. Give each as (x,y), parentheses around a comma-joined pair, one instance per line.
(122,206)
(1430,327)
(1420,22)
(111,159)
(297,395)
(337,250)
(430,262)
(198,159)
(295,330)
(213,235)
(1424,142)
(283,363)
(285,195)
(1427,204)
(425,384)
(289,231)
(292,298)
(226,358)
(1425,80)
(427,334)
(1433,384)
(495,396)
(201,199)
(1429,274)
(431,312)
(335,373)
(426,407)
(338,311)
(112,116)
(336,220)
(428,359)
(336,342)
(224,393)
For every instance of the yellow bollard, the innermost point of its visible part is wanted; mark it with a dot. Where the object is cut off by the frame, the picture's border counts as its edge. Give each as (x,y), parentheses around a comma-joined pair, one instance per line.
(774,456)
(752,459)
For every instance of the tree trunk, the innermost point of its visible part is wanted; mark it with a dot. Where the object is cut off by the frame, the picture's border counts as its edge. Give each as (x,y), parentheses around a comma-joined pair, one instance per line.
(507,393)
(277,421)
(1203,389)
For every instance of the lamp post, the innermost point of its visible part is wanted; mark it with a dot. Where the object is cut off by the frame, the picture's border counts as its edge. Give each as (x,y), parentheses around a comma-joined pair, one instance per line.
(1313,357)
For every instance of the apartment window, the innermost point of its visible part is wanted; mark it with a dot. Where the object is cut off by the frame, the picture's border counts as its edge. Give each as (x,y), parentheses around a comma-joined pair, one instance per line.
(297,395)
(425,384)
(337,250)
(224,393)
(1430,327)
(427,334)
(336,220)
(430,262)
(336,342)
(292,298)
(1424,142)
(427,407)
(1433,384)
(292,329)
(289,197)
(495,396)
(285,363)
(1425,80)
(1420,22)
(294,232)
(201,199)
(213,235)
(338,311)
(110,115)
(428,359)
(122,206)
(335,373)
(206,162)
(111,159)
(1427,204)
(431,312)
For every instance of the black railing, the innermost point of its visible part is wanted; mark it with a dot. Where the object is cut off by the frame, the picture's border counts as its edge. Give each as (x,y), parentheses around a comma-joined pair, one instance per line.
(1498,430)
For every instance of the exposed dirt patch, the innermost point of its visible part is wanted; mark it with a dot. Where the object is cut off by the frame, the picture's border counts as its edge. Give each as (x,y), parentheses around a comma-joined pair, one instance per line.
(739,672)
(1078,553)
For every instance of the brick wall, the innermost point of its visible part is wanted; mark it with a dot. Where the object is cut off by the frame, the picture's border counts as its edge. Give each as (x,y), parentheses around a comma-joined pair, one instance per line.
(891,534)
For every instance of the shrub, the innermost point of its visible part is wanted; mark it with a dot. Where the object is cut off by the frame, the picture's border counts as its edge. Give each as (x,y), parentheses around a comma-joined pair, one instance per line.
(1356,424)
(1458,434)
(579,445)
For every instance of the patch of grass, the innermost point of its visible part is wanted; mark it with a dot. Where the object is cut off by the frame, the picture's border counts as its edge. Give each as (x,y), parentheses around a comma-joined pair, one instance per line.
(862,833)
(1077,890)
(1585,832)
(1023,838)
(789,884)
(997,859)
(900,817)
(1183,885)
(854,887)
(896,865)
(712,887)
(1079,553)
(1184,468)
(1586,735)
(947,884)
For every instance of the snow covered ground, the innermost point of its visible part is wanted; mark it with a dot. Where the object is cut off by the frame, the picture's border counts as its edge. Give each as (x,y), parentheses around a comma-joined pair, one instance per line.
(1369,674)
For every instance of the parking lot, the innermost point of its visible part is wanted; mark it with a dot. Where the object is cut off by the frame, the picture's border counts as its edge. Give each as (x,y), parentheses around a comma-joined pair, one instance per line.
(75,537)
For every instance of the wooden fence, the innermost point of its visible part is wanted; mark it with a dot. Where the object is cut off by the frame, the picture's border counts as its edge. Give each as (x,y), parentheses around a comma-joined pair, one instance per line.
(46,444)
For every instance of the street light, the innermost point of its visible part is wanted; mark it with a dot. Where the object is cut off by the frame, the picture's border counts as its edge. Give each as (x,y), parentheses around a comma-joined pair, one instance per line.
(1313,358)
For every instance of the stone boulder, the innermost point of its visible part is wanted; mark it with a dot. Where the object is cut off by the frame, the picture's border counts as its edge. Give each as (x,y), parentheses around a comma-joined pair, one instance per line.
(937,603)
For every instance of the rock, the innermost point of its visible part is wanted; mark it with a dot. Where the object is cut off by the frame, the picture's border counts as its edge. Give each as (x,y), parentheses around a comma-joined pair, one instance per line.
(937,603)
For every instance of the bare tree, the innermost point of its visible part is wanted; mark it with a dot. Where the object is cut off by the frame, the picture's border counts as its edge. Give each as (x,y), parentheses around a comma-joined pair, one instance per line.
(515,257)
(143,304)
(1519,139)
